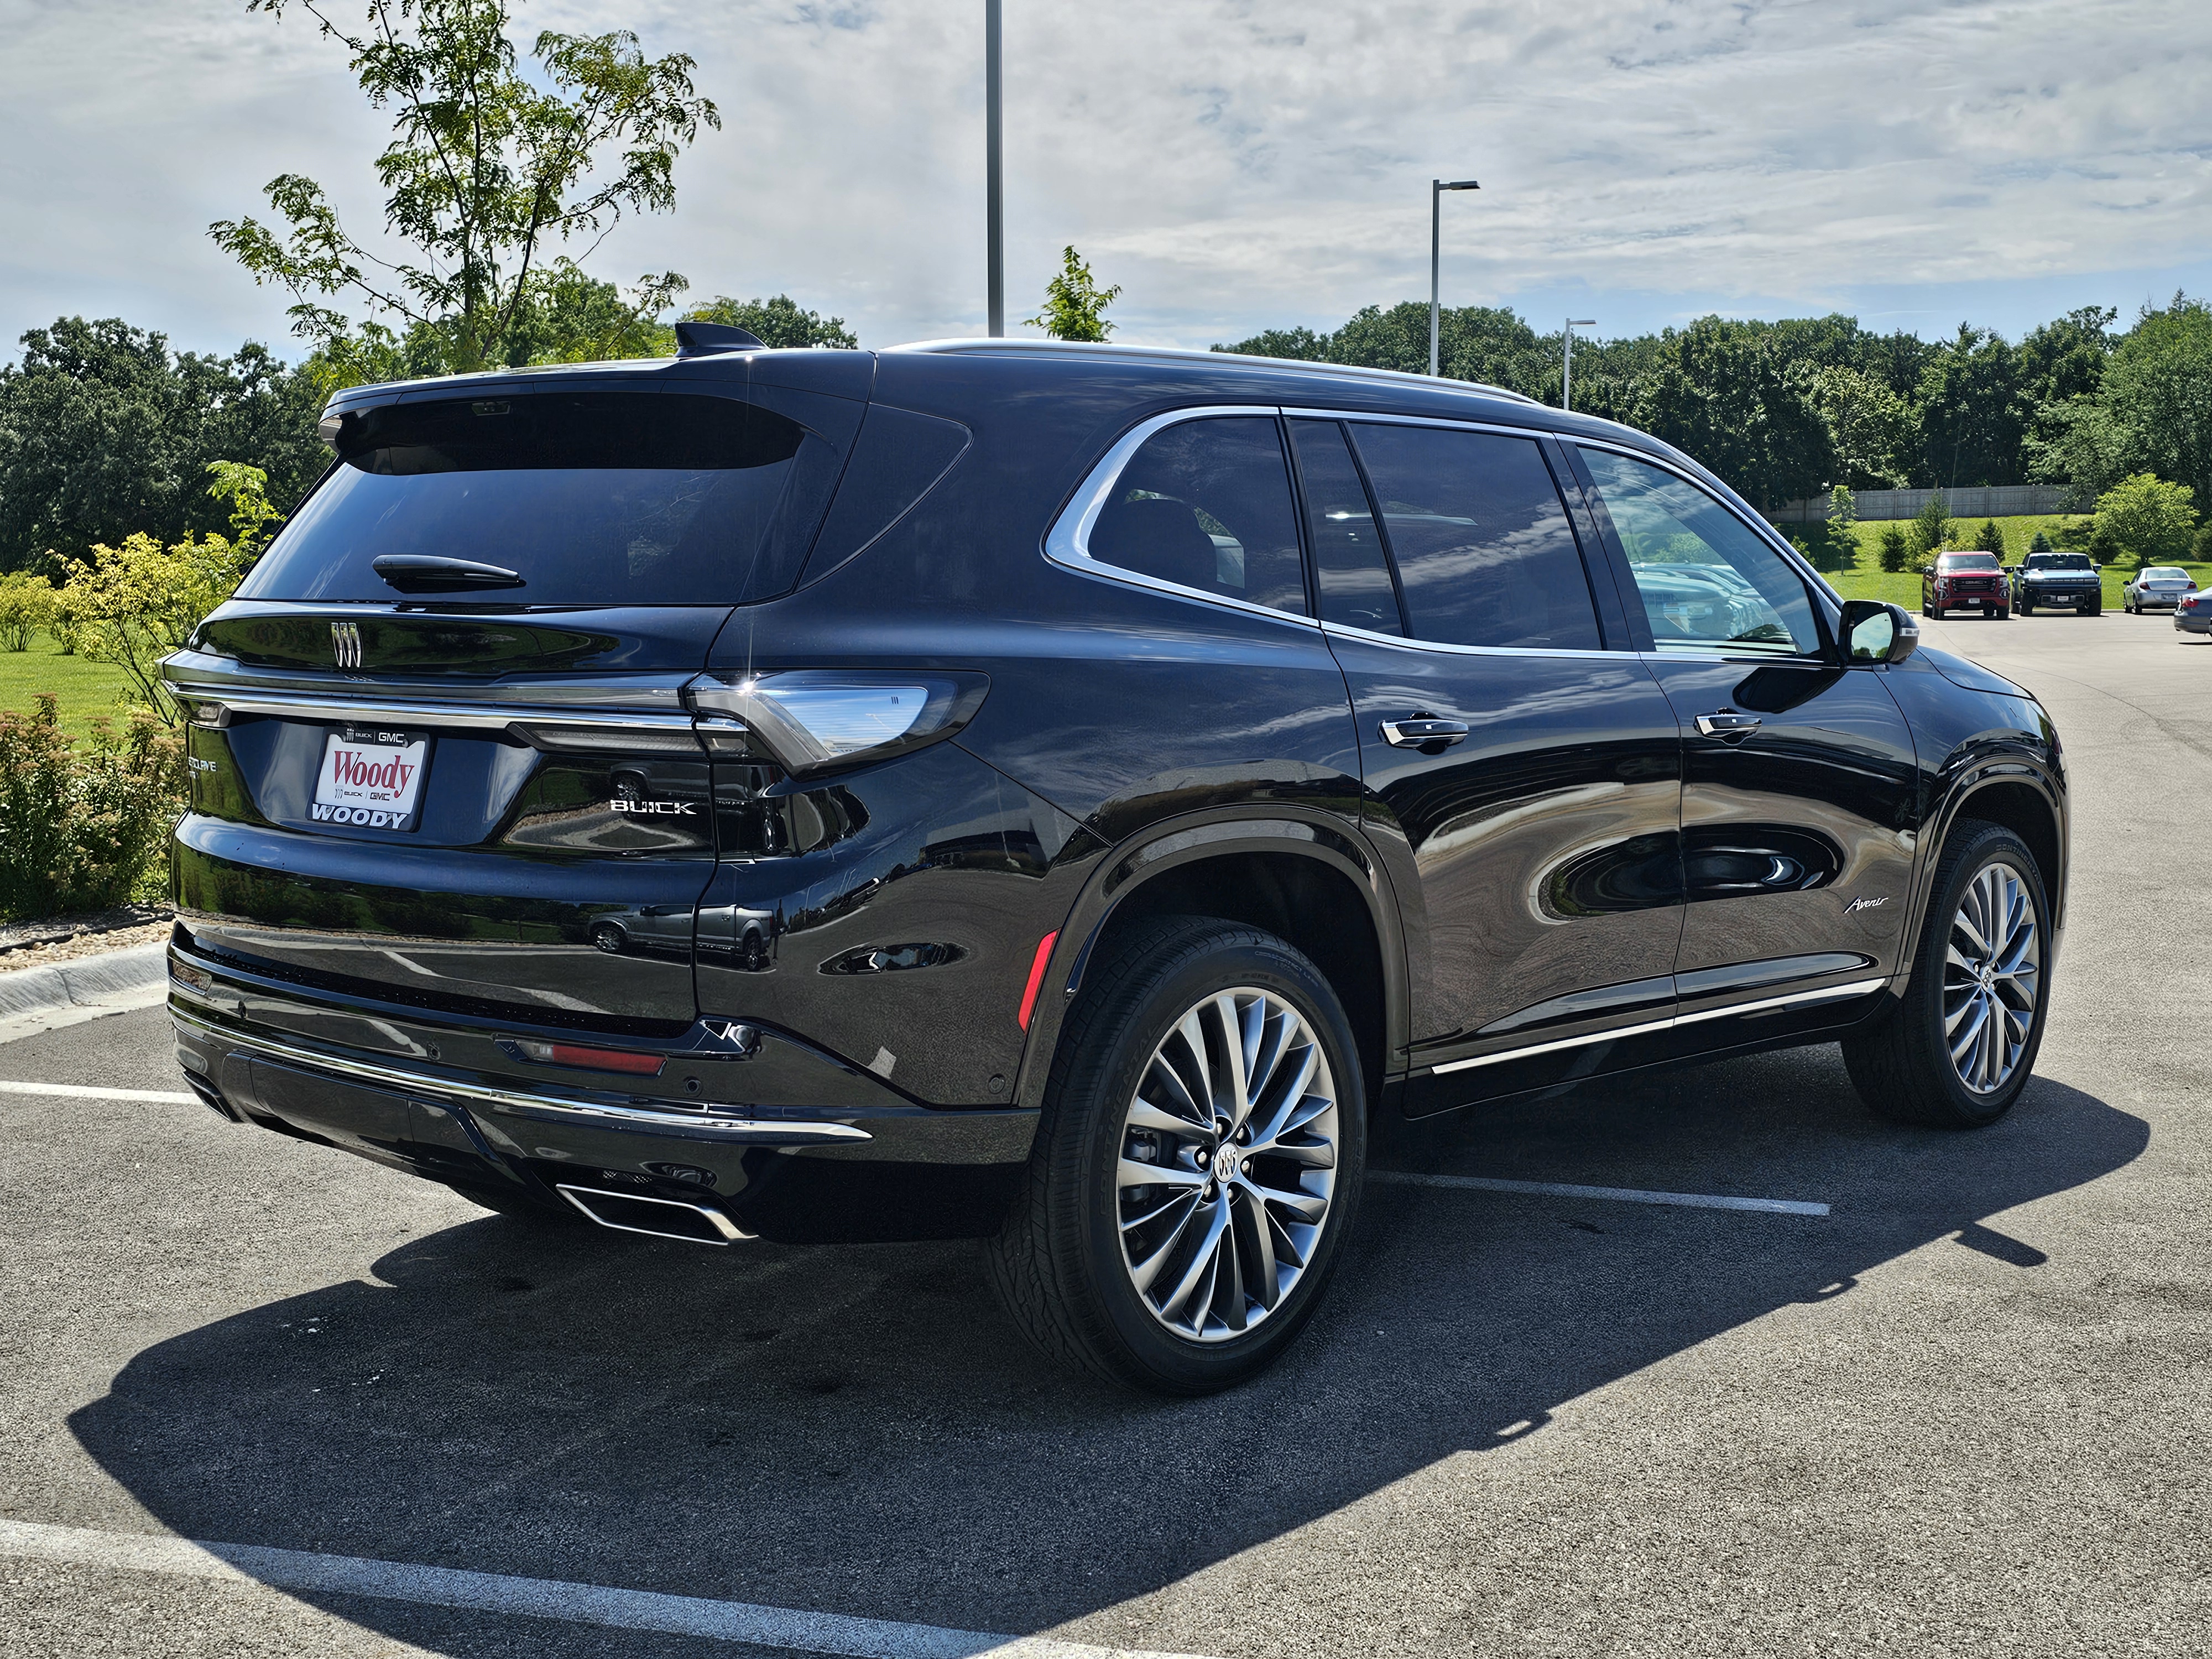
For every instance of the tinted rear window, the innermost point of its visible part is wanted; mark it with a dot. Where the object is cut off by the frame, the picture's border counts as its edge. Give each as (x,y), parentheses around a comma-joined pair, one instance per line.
(602,498)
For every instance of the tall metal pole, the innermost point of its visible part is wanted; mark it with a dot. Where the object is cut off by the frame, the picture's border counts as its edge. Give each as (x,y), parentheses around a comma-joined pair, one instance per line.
(1437,189)
(995,189)
(1567,358)
(1435,255)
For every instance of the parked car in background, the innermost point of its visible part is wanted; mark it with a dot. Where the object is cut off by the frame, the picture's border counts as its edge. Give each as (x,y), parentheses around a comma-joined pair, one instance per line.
(2156,585)
(2054,581)
(1964,581)
(1069,795)
(2193,614)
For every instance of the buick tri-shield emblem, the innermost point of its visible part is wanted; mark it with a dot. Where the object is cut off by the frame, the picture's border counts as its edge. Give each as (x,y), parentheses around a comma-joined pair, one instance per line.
(345,644)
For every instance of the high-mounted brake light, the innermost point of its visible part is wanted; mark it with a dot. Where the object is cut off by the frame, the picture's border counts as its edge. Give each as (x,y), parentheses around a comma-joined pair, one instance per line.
(813,719)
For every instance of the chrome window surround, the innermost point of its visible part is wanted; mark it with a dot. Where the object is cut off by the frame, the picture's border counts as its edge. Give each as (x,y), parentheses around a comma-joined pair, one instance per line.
(1764,1005)
(687,1122)
(1067,543)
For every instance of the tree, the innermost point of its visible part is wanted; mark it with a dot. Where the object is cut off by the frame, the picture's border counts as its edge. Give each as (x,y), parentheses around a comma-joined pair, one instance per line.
(104,431)
(1875,434)
(1074,305)
(1301,345)
(485,172)
(1896,549)
(1721,396)
(1971,419)
(2148,517)
(1989,539)
(2157,392)
(1931,525)
(26,605)
(2040,543)
(779,322)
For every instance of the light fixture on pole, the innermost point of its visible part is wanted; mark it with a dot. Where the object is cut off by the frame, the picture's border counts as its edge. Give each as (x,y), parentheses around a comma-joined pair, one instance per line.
(1437,189)
(1567,358)
(994,177)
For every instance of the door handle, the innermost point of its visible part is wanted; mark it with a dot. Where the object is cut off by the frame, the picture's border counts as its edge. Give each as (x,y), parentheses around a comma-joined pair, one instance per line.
(1727,723)
(1423,731)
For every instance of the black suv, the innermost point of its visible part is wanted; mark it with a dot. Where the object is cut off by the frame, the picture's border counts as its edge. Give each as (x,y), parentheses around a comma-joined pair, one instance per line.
(1078,796)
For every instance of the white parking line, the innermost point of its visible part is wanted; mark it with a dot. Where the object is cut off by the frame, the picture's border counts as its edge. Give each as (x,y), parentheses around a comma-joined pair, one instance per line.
(166,1097)
(536,1598)
(1614,1194)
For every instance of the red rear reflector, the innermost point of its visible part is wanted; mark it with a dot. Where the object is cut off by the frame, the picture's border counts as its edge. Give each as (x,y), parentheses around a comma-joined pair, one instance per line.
(1036,978)
(605,1059)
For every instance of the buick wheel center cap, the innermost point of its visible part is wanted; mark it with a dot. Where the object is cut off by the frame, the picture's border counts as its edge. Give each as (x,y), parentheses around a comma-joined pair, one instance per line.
(1989,977)
(1224,1163)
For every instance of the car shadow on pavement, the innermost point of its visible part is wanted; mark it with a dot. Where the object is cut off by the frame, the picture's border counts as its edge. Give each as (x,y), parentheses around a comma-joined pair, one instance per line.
(860,1430)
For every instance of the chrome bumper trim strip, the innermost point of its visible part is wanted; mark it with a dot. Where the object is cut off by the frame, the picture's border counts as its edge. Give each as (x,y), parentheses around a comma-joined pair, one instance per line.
(526,1104)
(1764,1005)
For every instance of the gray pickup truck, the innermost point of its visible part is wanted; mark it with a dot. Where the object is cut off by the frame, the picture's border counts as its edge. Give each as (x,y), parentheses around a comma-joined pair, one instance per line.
(2056,581)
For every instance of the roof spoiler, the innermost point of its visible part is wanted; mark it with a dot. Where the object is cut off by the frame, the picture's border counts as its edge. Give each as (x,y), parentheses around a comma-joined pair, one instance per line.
(707,339)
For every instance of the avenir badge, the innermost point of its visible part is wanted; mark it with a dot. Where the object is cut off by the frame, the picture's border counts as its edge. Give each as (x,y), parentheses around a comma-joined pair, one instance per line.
(370,778)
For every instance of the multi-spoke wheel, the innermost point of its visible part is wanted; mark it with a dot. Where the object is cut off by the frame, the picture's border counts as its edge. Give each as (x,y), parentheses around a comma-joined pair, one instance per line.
(1203,1138)
(1992,976)
(1228,1162)
(1956,1049)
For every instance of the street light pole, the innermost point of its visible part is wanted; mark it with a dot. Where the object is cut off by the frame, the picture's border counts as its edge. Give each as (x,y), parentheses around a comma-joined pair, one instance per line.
(1567,359)
(994,186)
(1437,189)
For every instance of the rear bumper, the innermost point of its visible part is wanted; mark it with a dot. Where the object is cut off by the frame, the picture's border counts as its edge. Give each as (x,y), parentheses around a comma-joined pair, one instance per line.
(778,1138)
(2192,624)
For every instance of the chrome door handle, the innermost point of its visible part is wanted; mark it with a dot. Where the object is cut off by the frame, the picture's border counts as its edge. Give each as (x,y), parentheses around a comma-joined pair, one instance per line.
(1422,730)
(1727,724)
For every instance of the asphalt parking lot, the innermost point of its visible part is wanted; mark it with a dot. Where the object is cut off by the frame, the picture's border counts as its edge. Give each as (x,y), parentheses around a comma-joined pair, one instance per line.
(1966,1411)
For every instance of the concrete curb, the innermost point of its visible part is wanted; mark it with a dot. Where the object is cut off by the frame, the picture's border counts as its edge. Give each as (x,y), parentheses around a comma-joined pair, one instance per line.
(64,993)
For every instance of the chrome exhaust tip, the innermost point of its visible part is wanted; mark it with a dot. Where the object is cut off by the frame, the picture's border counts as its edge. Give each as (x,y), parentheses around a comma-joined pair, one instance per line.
(656,1217)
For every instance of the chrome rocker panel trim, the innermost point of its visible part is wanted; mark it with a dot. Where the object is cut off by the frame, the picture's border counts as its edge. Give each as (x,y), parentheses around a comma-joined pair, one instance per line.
(1766,1005)
(768,1132)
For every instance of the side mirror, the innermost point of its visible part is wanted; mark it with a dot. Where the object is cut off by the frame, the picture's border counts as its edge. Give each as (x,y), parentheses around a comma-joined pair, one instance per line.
(1876,633)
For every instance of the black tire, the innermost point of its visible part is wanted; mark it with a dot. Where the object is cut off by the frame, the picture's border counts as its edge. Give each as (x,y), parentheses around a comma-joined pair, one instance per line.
(2027,607)
(2094,608)
(1057,1263)
(1937,613)
(1902,1067)
(608,937)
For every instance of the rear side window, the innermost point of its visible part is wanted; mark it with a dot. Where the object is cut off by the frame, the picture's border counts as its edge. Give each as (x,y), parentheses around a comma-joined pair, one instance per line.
(1349,566)
(1206,504)
(605,498)
(1484,551)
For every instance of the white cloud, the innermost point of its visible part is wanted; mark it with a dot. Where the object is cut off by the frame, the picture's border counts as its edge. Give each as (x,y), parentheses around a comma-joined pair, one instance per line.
(1233,164)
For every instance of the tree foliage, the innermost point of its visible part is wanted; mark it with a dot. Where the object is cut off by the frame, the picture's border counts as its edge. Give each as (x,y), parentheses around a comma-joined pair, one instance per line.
(1074,305)
(779,322)
(2148,518)
(79,825)
(104,431)
(489,170)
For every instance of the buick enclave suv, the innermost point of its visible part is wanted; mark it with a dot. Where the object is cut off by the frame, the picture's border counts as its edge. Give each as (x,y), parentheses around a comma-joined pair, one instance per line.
(1080,797)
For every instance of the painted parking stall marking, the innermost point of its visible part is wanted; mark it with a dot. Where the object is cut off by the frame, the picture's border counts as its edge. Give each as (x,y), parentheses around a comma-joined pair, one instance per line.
(81,1091)
(301,1571)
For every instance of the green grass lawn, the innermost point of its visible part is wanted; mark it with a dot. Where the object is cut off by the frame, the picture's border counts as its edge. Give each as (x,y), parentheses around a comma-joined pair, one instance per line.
(1855,570)
(84,689)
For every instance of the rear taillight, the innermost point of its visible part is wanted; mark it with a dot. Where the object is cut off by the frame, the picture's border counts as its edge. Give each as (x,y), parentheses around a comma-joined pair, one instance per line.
(811,720)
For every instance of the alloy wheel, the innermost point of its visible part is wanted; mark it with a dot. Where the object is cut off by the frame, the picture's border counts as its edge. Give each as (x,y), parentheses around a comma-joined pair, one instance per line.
(1992,979)
(1227,1166)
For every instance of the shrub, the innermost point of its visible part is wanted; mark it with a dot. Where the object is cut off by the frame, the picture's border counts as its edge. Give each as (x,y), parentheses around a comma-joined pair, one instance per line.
(1897,553)
(80,826)
(2041,543)
(26,605)
(1931,525)
(2146,516)
(2201,551)
(1988,538)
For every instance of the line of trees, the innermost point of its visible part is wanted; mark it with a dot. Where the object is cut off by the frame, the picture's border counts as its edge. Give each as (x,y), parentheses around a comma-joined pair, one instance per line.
(1785,410)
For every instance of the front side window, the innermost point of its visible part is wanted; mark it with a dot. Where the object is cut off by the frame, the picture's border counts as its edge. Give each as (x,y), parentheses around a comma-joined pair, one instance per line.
(1206,504)
(601,498)
(1484,551)
(1705,580)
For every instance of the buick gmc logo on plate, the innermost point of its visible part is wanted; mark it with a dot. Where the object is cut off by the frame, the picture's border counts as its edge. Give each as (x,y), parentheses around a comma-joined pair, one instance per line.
(370,778)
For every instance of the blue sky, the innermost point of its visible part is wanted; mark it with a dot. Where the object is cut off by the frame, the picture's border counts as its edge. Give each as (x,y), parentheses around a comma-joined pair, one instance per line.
(1233,165)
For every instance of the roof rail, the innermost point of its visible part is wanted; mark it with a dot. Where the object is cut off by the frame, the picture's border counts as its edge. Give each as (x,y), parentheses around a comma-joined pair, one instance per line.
(1185,354)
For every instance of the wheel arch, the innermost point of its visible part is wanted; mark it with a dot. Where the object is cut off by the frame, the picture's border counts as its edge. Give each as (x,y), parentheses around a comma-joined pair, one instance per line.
(2017,796)
(1312,882)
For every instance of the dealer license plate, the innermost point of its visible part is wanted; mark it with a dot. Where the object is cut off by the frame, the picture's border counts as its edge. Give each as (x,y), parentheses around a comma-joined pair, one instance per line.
(370,778)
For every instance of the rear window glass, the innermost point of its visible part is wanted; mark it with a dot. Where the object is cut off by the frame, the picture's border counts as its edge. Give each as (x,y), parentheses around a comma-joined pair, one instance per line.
(1206,504)
(605,498)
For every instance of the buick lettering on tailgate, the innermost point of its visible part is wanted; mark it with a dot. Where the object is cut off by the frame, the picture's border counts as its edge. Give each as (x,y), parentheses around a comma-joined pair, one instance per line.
(373,779)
